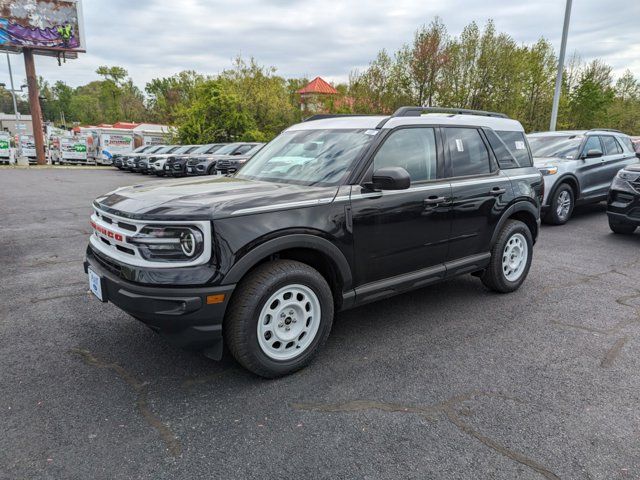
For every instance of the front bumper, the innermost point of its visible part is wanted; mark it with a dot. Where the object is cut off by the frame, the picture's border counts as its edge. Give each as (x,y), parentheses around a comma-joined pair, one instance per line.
(623,207)
(181,315)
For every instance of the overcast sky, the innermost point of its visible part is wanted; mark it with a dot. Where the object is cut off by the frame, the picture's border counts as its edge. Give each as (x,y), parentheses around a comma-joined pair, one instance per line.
(153,38)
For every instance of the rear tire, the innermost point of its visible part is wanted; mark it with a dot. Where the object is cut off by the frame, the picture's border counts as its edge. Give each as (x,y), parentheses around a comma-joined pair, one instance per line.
(561,205)
(622,228)
(510,258)
(278,318)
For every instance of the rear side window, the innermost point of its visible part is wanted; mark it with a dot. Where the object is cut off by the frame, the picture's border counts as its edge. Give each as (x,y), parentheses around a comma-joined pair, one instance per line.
(611,147)
(517,145)
(468,153)
(243,149)
(627,142)
(413,149)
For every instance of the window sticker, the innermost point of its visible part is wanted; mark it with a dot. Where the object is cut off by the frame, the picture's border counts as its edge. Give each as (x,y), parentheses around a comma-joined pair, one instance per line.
(520,145)
(459,145)
(371,132)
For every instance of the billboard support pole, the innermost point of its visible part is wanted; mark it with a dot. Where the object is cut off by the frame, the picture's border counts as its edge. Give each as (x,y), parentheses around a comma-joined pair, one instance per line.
(34,103)
(15,110)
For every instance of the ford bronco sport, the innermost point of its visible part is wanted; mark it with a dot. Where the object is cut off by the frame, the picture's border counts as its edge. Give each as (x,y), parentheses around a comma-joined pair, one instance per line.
(333,213)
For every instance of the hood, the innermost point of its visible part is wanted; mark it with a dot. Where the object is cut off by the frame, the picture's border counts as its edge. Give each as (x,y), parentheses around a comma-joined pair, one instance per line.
(207,198)
(635,168)
(546,161)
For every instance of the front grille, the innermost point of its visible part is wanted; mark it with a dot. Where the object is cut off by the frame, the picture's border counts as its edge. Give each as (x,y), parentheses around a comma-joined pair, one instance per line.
(107,264)
(111,237)
(223,165)
(636,184)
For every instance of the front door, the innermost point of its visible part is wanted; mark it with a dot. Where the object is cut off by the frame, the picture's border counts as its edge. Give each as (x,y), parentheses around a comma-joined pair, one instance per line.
(403,231)
(591,171)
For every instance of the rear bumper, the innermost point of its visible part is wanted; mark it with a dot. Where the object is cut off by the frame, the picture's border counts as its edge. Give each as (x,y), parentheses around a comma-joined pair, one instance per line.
(181,315)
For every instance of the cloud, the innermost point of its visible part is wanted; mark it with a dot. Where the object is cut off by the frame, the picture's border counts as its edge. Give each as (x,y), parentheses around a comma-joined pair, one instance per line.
(152,38)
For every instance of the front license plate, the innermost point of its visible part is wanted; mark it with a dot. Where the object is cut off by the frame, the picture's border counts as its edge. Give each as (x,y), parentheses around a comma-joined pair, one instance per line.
(95,284)
(189,169)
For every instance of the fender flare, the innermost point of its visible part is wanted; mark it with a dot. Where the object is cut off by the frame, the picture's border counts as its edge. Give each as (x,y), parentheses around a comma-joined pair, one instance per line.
(520,206)
(312,242)
(562,179)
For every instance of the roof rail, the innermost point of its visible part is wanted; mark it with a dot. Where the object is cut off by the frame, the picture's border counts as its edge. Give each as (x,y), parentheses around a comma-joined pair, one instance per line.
(322,116)
(604,130)
(417,111)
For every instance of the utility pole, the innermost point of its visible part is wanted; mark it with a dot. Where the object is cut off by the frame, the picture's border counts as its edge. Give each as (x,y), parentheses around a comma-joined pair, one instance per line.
(563,49)
(34,103)
(15,108)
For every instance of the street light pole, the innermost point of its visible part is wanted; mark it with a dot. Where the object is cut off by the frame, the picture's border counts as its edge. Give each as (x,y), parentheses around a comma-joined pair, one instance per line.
(15,107)
(563,49)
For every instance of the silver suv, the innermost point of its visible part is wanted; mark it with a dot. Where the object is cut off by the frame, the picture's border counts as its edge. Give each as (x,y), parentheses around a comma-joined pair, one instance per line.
(578,167)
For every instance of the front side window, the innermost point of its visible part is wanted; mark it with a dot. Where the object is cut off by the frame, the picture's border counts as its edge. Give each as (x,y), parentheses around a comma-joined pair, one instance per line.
(413,149)
(592,143)
(308,157)
(561,146)
(611,147)
(468,153)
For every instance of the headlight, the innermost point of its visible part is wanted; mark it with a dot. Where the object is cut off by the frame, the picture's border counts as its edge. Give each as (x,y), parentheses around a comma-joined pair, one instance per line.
(548,170)
(628,176)
(169,243)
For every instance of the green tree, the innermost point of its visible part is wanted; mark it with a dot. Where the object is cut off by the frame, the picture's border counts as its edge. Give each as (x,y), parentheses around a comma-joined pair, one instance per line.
(215,115)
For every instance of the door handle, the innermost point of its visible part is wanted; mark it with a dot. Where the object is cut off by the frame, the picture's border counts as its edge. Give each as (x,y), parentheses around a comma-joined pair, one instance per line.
(497,191)
(433,200)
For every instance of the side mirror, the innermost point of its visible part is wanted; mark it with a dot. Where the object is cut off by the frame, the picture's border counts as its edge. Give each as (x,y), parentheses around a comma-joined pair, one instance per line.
(594,153)
(390,178)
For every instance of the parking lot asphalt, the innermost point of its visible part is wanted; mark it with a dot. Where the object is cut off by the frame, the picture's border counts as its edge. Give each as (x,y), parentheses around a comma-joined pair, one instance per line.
(450,382)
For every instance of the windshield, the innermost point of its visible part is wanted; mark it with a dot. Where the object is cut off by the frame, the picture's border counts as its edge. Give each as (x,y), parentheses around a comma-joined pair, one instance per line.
(227,149)
(203,148)
(555,146)
(185,149)
(141,149)
(307,157)
(168,149)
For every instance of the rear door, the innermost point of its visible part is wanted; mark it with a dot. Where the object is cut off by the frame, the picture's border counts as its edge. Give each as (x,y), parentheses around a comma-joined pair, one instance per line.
(480,191)
(615,159)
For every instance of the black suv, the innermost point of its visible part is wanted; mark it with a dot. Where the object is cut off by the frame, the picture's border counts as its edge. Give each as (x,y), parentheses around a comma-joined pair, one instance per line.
(332,214)
(623,202)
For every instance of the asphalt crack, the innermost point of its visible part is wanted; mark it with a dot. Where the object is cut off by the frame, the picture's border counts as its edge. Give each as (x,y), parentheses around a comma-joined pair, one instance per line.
(614,352)
(142,403)
(448,408)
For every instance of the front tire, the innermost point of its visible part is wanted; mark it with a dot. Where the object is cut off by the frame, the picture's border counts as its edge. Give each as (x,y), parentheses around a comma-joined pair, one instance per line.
(622,228)
(278,318)
(510,258)
(561,205)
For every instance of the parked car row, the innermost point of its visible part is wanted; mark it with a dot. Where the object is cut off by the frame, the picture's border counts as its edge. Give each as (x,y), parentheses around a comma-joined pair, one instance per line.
(182,160)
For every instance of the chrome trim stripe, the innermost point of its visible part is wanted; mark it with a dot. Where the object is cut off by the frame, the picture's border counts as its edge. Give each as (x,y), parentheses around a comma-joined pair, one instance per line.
(283,206)
(522,177)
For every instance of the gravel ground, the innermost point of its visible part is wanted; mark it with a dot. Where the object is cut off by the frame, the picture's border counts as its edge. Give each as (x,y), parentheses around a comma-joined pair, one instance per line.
(450,382)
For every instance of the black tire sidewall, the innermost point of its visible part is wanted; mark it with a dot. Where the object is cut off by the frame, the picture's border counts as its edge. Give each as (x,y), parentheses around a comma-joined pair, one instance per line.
(494,277)
(257,360)
(553,212)
(622,228)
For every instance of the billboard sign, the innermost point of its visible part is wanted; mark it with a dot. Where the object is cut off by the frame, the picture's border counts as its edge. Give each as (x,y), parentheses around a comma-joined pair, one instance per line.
(47,26)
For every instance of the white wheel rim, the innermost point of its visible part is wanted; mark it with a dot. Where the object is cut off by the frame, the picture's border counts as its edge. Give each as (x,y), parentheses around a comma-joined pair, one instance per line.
(514,257)
(289,322)
(564,204)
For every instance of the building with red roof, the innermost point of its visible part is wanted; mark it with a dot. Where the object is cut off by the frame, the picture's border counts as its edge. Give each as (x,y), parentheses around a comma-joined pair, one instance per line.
(316,95)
